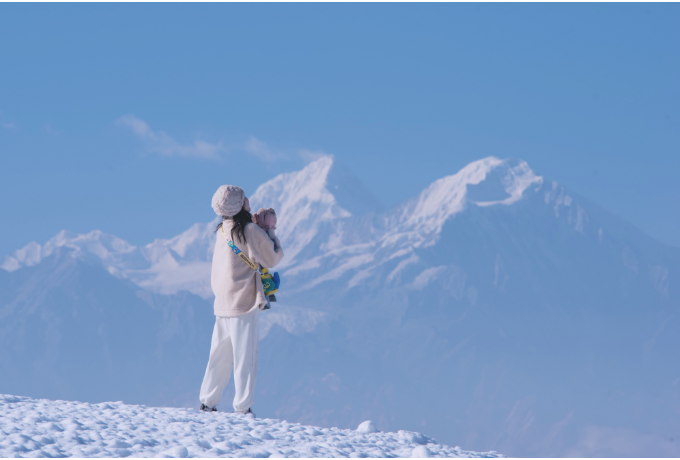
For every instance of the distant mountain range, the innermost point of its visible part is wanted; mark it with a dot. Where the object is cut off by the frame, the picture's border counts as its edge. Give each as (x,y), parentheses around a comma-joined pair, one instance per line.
(496,310)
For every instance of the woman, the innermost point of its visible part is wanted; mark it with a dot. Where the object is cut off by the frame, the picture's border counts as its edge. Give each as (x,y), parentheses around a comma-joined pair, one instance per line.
(239,296)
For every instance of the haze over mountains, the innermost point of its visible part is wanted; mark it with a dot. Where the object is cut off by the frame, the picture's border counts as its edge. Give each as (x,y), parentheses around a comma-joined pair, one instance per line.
(496,310)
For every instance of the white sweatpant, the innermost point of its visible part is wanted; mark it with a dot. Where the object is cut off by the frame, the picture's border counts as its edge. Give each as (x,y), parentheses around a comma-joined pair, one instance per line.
(234,345)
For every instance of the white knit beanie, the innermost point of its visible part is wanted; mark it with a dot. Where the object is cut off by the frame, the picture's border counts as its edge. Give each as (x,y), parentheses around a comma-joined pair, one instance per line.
(228,200)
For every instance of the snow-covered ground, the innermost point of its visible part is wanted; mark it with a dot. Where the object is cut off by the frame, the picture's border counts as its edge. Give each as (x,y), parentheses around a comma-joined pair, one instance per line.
(45,428)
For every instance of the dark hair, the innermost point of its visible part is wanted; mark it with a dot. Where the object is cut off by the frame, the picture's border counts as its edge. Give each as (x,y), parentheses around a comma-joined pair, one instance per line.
(241,219)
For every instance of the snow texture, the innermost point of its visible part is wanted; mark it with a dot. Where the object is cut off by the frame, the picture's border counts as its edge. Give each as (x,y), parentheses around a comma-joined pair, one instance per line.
(44,428)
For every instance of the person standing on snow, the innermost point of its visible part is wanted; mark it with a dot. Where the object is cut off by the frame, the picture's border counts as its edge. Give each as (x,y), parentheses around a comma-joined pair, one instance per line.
(239,296)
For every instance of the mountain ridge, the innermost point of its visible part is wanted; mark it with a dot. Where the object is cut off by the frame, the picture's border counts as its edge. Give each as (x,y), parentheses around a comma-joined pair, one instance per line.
(314,226)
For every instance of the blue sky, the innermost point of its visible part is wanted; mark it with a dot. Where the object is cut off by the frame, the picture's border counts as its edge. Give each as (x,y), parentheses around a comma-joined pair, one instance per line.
(127,117)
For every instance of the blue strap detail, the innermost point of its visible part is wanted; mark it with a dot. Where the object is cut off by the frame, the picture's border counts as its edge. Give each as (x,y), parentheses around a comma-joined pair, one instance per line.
(233,247)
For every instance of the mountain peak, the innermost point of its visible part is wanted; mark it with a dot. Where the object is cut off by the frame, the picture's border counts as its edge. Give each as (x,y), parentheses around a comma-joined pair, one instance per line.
(504,182)
(484,182)
(322,191)
(324,180)
(102,245)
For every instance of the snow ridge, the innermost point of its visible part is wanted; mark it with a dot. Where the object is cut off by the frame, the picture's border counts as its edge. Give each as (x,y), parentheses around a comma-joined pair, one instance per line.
(445,197)
(166,266)
(44,428)
(304,201)
(322,233)
(109,249)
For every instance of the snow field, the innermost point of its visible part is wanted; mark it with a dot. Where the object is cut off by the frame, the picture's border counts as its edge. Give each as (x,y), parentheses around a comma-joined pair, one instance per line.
(45,428)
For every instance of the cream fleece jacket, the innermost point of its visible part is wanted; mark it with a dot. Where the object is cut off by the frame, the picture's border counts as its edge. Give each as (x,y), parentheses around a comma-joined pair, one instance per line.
(237,287)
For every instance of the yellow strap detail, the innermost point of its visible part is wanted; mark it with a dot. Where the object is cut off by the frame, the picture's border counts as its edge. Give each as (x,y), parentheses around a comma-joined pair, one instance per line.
(247,260)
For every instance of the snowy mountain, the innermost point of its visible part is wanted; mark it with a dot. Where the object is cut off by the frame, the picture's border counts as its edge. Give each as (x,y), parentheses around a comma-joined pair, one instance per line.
(43,428)
(183,262)
(495,310)
(168,266)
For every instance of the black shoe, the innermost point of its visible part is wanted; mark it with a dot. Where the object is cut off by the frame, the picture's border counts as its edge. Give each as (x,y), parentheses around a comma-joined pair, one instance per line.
(247,412)
(205,408)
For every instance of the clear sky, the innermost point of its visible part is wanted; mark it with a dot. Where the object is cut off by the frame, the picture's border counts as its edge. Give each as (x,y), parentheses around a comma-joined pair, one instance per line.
(127,117)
